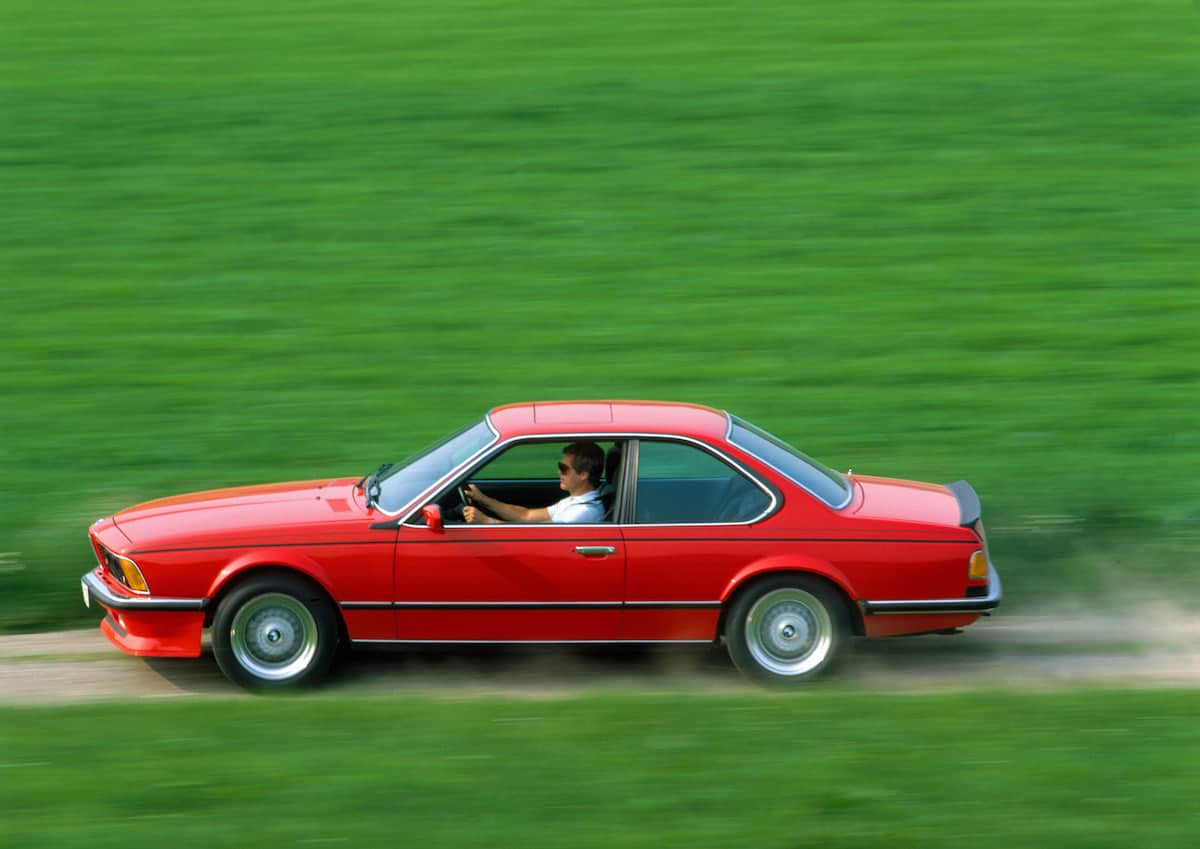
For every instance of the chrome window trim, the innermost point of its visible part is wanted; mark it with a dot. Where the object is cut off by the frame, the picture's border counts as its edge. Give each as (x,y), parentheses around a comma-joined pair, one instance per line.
(526,525)
(100,591)
(772,504)
(496,448)
(773,467)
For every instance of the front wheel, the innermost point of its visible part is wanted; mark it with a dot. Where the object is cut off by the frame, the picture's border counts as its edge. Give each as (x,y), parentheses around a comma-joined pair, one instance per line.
(787,630)
(274,632)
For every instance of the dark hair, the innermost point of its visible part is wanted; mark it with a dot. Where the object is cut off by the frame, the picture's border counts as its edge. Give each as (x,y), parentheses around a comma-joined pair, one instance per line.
(586,457)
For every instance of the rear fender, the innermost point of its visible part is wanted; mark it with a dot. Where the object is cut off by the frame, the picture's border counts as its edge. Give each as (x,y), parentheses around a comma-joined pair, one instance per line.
(788,563)
(793,564)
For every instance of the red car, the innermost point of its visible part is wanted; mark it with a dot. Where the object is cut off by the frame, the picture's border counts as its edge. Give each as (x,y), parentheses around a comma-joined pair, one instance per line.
(707,529)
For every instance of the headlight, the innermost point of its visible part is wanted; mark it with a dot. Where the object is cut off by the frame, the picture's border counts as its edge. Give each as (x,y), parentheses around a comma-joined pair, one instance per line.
(125,571)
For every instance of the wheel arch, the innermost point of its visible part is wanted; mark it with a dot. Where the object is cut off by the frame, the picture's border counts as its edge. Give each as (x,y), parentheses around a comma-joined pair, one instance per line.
(265,564)
(756,573)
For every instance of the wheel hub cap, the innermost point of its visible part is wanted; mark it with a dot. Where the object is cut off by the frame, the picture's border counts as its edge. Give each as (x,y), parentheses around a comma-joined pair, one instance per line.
(788,630)
(274,634)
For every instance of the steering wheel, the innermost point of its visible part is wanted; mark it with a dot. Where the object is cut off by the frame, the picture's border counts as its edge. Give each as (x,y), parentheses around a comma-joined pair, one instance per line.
(462,493)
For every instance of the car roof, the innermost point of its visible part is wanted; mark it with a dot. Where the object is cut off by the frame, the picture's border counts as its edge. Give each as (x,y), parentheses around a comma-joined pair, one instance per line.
(616,417)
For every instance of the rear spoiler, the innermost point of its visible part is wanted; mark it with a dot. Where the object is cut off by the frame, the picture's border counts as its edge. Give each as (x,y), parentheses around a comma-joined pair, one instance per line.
(969,508)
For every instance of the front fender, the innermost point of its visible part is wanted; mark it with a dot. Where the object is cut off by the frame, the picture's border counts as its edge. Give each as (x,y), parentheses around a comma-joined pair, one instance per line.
(276,558)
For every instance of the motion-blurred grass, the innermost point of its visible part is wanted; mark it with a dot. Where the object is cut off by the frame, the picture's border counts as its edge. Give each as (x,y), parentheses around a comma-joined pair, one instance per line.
(1064,770)
(244,242)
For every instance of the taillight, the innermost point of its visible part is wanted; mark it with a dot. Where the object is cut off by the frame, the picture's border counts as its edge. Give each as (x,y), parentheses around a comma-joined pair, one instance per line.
(978,568)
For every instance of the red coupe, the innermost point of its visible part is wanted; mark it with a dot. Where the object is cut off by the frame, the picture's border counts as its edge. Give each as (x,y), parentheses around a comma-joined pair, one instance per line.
(696,526)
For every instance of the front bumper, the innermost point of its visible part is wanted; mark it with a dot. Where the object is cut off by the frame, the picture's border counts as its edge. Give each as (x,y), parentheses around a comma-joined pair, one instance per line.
(94,587)
(146,626)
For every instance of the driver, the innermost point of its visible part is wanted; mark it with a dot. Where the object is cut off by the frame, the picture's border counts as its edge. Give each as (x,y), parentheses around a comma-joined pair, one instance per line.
(578,475)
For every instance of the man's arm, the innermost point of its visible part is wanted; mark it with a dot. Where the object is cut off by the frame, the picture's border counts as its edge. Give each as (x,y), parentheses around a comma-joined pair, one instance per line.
(504,512)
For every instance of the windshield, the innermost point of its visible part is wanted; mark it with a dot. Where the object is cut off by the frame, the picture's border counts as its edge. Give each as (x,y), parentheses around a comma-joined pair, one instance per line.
(822,481)
(409,479)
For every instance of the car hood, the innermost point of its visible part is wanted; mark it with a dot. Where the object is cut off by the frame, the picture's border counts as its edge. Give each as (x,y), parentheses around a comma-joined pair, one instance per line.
(248,512)
(905,501)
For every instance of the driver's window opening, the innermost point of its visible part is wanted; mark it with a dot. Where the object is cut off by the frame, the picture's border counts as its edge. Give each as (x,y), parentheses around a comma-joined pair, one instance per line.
(527,474)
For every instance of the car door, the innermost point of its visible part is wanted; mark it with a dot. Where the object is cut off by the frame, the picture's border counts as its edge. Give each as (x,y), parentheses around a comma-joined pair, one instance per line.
(511,582)
(686,524)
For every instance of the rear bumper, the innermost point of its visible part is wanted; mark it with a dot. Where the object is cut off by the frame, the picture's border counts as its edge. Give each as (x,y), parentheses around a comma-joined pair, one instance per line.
(145,626)
(941,605)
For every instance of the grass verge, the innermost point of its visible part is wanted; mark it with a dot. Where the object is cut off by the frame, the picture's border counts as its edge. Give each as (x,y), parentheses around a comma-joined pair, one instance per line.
(1078,769)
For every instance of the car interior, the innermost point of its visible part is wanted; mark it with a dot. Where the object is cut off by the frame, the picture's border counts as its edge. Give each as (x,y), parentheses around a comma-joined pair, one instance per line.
(527,474)
(677,484)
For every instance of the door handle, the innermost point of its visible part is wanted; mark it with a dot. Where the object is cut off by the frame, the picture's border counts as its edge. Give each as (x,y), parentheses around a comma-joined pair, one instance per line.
(595,550)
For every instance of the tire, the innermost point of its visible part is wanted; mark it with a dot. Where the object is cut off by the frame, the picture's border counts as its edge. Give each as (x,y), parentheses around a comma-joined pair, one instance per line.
(275,632)
(787,630)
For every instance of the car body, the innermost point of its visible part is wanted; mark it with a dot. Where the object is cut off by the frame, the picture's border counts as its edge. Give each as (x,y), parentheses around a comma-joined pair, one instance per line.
(713,531)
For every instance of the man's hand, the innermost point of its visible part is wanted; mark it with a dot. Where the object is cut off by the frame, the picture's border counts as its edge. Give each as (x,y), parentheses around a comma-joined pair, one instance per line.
(473,492)
(475,516)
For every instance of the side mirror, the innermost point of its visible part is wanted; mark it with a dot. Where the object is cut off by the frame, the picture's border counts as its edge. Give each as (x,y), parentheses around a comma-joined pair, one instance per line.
(433,517)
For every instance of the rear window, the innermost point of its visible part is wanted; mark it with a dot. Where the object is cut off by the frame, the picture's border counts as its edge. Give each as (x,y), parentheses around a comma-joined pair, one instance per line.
(822,481)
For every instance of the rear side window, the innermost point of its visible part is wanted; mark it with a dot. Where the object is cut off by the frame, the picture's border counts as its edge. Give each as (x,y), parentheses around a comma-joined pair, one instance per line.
(680,484)
(822,481)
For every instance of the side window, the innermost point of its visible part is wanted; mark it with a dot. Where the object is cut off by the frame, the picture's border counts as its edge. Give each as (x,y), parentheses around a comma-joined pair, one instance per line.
(525,474)
(524,461)
(682,484)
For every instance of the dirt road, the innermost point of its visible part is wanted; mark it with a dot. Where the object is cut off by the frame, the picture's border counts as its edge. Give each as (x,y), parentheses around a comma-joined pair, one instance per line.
(1148,647)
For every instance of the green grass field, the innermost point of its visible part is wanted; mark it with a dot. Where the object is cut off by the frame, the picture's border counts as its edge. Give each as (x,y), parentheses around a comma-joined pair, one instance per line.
(1087,769)
(244,242)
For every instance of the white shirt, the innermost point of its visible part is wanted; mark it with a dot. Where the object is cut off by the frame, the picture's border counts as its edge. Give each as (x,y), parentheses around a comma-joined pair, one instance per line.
(578,508)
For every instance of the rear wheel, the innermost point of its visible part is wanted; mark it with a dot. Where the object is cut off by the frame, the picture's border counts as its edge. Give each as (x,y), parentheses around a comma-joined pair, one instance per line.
(274,632)
(787,630)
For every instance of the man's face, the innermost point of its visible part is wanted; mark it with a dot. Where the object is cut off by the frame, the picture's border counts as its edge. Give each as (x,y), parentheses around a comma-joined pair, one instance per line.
(568,478)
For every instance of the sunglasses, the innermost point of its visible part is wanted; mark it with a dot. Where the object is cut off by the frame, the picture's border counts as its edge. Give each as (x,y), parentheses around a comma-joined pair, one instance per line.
(563,468)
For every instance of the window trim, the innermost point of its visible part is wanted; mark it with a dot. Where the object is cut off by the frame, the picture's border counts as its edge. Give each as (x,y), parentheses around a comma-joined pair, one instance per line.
(623,507)
(729,418)
(630,505)
(479,461)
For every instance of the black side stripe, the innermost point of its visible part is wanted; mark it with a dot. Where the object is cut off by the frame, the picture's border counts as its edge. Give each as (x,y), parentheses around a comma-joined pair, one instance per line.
(258,545)
(529,605)
(563,541)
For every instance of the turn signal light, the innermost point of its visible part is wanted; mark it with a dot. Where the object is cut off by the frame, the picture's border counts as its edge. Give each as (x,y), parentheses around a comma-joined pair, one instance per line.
(133,575)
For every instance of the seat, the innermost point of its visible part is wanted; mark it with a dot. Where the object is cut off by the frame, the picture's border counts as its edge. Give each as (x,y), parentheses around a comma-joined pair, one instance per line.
(740,501)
